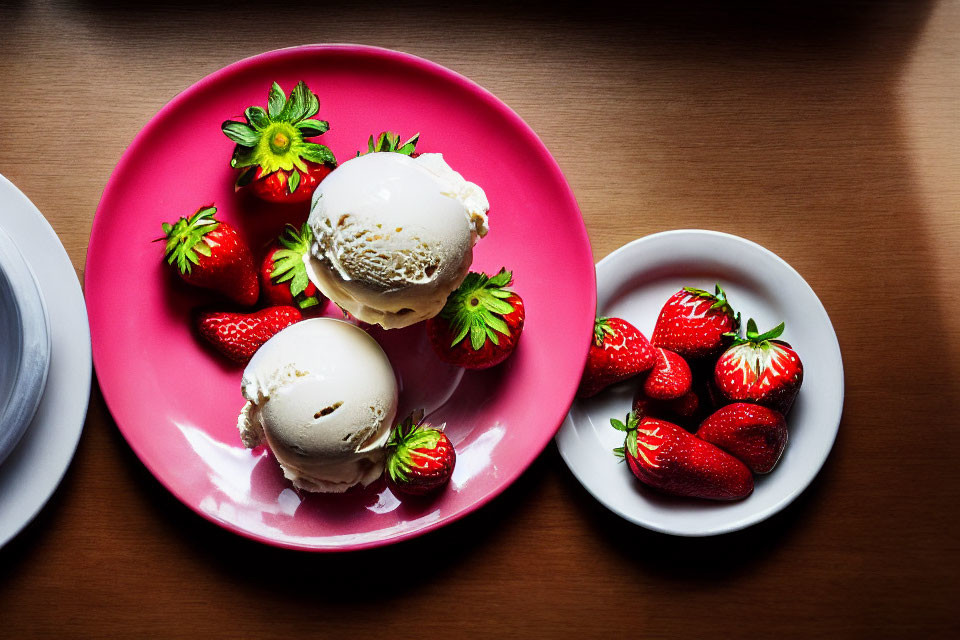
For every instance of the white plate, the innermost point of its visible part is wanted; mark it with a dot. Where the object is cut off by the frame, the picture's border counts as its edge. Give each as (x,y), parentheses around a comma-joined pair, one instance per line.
(29,476)
(633,283)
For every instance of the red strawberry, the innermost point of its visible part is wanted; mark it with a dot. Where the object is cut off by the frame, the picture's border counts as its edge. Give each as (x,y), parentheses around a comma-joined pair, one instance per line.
(390,141)
(618,351)
(694,323)
(420,459)
(671,459)
(283,274)
(239,335)
(276,161)
(209,253)
(485,310)
(670,377)
(760,369)
(679,410)
(754,434)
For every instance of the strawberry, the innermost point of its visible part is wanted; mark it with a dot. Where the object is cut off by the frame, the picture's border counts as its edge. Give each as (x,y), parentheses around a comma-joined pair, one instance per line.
(670,377)
(760,369)
(666,457)
(486,310)
(276,161)
(754,434)
(695,323)
(209,253)
(390,141)
(283,274)
(679,410)
(618,351)
(239,335)
(420,459)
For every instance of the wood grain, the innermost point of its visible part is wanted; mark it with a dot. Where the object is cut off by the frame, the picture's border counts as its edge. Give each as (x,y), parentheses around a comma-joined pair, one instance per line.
(826,131)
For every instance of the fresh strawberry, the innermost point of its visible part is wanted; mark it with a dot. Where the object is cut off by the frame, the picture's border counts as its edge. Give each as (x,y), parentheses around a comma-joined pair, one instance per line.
(754,434)
(485,310)
(420,459)
(283,274)
(679,410)
(390,141)
(670,377)
(760,369)
(695,323)
(209,253)
(276,161)
(618,351)
(239,335)
(666,457)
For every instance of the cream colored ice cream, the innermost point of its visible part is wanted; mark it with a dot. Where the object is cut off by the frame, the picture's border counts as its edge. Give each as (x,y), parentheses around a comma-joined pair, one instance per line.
(394,236)
(323,396)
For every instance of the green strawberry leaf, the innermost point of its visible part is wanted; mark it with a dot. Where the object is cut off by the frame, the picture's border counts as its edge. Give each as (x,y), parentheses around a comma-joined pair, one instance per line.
(316,153)
(243,134)
(275,101)
(475,308)
(293,181)
(311,128)
(257,117)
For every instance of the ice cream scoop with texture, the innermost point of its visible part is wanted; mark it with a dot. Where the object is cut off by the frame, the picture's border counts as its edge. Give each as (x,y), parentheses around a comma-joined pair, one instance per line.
(394,236)
(323,396)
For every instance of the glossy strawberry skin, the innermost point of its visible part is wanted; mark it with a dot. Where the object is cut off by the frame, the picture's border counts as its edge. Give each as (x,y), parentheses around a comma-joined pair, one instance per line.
(755,434)
(780,375)
(278,294)
(275,187)
(670,377)
(431,468)
(239,335)
(675,461)
(462,354)
(680,410)
(228,269)
(688,326)
(623,352)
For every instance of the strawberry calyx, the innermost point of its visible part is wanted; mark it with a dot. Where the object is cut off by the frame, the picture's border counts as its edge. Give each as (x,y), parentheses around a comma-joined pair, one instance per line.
(601,329)
(388,141)
(410,435)
(274,139)
(630,427)
(187,237)
(719,302)
(477,308)
(756,338)
(288,265)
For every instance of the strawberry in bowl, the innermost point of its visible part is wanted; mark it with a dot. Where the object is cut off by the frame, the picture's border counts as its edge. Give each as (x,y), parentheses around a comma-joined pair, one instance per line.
(276,162)
(283,274)
(420,458)
(480,324)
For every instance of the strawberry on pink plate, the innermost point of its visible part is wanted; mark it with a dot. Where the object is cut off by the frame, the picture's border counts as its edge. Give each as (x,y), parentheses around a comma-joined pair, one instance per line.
(176,403)
(634,282)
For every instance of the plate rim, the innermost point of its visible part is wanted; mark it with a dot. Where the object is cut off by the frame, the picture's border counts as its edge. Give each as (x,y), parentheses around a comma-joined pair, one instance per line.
(434,68)
(802,486)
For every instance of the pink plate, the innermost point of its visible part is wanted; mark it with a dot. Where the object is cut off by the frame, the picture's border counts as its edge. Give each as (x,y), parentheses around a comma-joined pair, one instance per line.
(176,402)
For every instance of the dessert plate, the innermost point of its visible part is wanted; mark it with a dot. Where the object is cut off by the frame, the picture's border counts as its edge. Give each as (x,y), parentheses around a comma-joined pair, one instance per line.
(177,403)
(633,282)
(34,468)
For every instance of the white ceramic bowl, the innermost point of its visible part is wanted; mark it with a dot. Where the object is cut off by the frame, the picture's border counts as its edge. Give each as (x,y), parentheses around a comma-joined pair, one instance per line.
(24,345)
(633,283)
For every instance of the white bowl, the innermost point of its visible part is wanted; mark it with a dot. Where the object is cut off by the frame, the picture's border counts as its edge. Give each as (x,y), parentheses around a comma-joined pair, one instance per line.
(633,283)
(24,345)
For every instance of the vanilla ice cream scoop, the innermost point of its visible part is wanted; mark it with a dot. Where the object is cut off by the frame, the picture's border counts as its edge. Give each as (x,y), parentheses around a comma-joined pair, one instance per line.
(394,236)
(323,396)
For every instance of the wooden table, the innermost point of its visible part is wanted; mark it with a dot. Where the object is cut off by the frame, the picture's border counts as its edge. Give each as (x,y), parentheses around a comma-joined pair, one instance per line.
(827,132)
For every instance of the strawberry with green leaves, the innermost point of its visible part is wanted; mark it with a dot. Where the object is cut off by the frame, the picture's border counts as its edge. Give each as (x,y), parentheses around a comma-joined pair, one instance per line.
(389,141)
(420,459)
(209,253)
(480,324)
(668,458)
(618,351)
(239,335)
(283,274)
(695,323)
(759,369)
(277,162)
